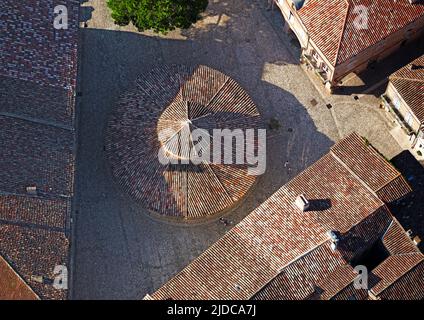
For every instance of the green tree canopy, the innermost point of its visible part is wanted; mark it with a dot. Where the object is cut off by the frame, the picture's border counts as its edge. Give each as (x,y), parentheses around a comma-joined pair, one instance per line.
(159,15)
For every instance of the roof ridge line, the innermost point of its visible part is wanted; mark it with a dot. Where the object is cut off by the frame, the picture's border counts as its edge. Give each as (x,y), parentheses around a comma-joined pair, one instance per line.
(218,91)
(37,121)
(405,78)
(345,286)
(32,226)
(219,180)
(342,33)
(46,196)
(281,269)
(409,254)
(375,152)
(394,219)
(397,177)
(67,87)
(387,229)
(356,176)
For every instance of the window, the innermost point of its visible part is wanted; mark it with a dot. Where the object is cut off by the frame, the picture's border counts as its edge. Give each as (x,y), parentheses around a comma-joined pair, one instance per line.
(409,118)
(396,102)
(325,68)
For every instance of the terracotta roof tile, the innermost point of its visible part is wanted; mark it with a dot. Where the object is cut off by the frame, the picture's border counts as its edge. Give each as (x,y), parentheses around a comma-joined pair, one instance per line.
(267,252)
(12,286)
(300,279)
(38,67)
(47,212)
(409,82)
(32,49)
(396,240)
(179,99)
(394,268)
(343,40)
(409,286)
(371,167)
(35,252)
(28,99)
(336,282)
(35,155)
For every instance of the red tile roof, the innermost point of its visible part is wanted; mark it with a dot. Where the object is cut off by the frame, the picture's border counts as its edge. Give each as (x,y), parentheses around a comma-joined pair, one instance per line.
(408,286)
(32,49)
(336,282)
(298,280)
(393,268)
(38,64)
(370,167)
(396,241)
(179,99)
(47,212)
(35,155)
(12,286)
(28,99)
(331,24)
(38,67)
(278,251)
(409,83)
(35,252)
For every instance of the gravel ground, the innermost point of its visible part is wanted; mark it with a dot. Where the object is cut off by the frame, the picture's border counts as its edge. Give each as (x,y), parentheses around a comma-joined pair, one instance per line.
(120,252)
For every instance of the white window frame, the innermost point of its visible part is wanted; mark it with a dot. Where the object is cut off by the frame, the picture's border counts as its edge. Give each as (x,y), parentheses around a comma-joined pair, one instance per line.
(396,102)
(409,118)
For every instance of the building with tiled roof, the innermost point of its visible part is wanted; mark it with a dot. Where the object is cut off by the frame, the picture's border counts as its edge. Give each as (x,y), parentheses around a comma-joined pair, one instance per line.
(343,36)
(159,115)
(38,66)
(404,100)
(305,241)
(38,62)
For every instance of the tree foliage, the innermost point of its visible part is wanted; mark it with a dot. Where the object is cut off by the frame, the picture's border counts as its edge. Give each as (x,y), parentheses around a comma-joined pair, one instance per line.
(159,15)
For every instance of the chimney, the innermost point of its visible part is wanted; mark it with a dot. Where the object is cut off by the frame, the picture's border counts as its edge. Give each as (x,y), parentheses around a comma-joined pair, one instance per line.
(32,190)
(302,203)
(334,239)
(38,279)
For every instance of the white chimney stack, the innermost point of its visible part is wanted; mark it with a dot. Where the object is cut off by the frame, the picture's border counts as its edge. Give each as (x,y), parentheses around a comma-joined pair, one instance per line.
(32,190)
(302,203)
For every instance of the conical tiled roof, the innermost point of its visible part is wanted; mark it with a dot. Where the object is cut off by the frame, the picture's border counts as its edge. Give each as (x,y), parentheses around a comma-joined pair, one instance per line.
(160,113)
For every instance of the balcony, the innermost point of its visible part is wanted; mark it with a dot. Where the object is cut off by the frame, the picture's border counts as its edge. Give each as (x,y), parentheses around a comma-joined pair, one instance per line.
(389,106)
(313,64)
